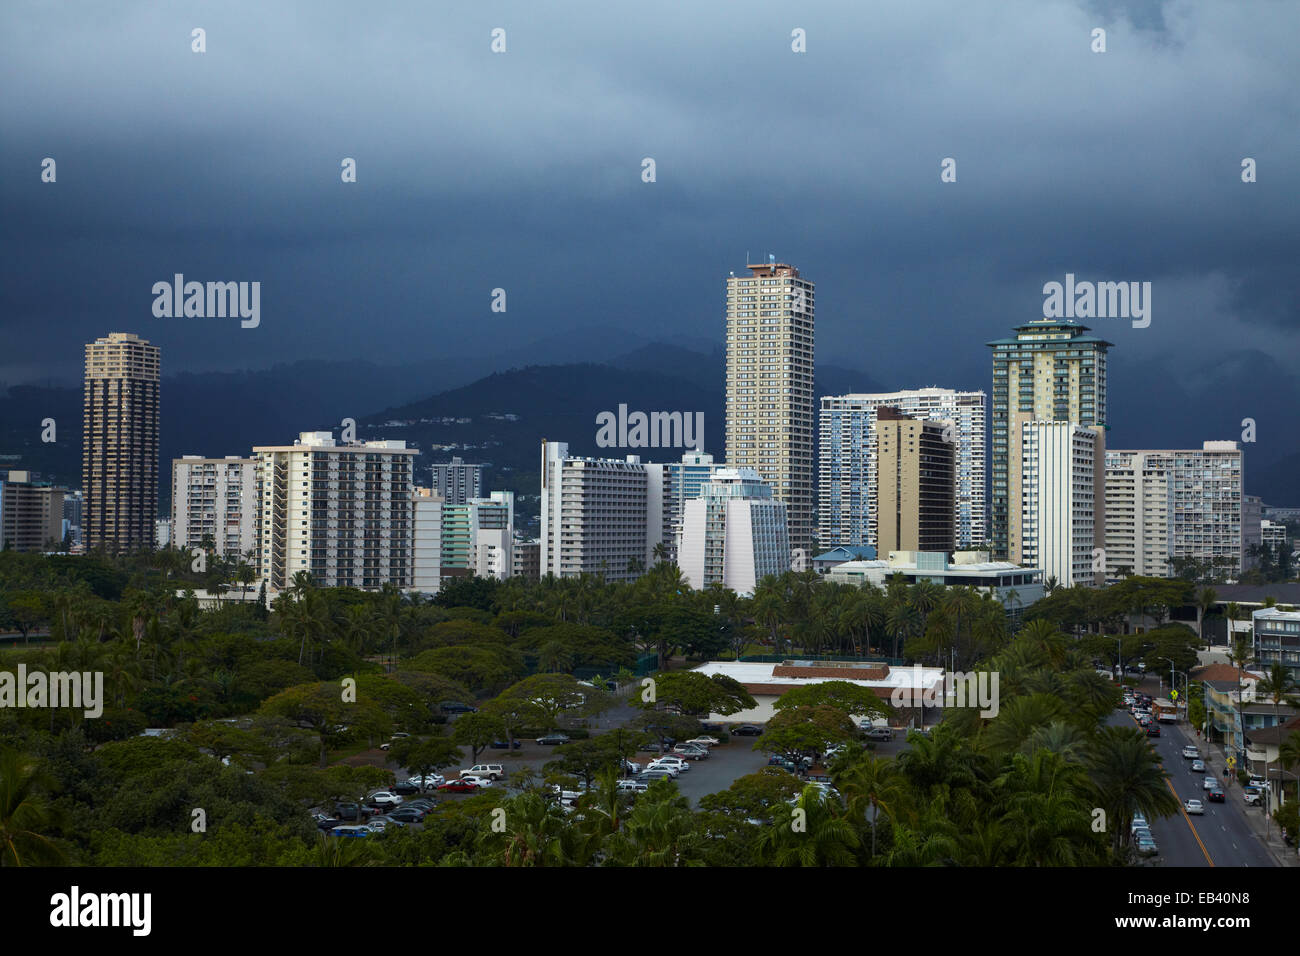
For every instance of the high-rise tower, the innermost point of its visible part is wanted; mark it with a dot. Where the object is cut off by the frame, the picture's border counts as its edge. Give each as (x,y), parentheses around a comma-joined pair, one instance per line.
(119,442)
(770,426)
(1051,371)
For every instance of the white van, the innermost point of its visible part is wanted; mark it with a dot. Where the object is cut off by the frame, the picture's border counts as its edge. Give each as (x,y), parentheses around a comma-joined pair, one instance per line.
(635,786)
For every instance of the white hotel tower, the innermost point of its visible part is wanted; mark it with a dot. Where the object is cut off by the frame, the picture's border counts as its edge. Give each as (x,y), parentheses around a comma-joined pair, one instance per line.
(342,513)
(734,533)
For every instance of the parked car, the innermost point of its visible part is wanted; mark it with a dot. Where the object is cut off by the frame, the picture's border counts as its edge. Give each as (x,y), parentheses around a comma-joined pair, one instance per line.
(655,767)
(430,782)
(785,763)
(506,744)
(1139,821)
(1253,796)
(381,824)
(553,740)
(671,760)
(1216,795)
(461,786)
(1198,766)
(1146,845)
(405,788)
(350,830)
(1211,783)
(705,741)
(1191,753)
(408,815)
(326,822)
(347,811)
(493,771)
(1257,782)
(747,730)
(691,753)
(631,767)
(652,774)
(456,707)
(483,782)
(384,798)
(634,786)
(1194,806)
(880,733)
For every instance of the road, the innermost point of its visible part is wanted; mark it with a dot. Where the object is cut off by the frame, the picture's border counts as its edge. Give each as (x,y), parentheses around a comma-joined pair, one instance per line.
(1219,838)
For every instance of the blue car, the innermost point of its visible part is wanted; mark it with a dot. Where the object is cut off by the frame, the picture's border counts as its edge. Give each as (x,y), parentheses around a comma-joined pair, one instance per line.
(503,745)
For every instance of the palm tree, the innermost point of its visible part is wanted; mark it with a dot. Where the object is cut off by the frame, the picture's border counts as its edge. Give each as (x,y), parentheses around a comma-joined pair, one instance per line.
(24,813)
(874,786)
(824,839)
(1206,598)
(960,602)
(1276,685)
(1288,755)
(902,621)
(1127,775)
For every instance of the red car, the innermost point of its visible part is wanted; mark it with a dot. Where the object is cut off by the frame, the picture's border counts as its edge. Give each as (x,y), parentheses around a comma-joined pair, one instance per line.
(461,786)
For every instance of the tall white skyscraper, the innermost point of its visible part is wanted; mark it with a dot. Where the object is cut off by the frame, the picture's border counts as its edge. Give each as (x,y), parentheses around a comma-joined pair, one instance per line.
(770,381)
(215,498)
(847,461)
(426,541)
(1058,468)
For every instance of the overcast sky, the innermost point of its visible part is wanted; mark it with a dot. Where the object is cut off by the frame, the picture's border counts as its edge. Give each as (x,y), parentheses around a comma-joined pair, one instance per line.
(522,170)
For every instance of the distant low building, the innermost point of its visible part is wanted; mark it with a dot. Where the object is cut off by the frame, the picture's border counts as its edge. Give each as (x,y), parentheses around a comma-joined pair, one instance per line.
(836,556)
(766,682)
(1015,587)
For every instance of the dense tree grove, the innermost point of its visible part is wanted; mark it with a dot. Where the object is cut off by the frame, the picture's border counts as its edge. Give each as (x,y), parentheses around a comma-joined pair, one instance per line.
(265,714)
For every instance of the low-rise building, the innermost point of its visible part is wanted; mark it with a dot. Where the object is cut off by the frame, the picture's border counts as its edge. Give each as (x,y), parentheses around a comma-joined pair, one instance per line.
(1015,587)
(766,682)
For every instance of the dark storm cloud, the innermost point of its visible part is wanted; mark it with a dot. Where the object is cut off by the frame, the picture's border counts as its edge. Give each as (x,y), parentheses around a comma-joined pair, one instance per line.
(522,170)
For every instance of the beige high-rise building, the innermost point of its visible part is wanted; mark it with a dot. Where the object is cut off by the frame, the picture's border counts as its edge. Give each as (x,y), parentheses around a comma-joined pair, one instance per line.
(119,442)
(770,414)
(915,481)
(31,513)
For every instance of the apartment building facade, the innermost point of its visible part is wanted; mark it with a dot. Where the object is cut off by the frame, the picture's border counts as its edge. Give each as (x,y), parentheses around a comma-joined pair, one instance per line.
(342,513)
(1139,503)
(1059,508)
(31,513)
(1050,370)
(847,466)
(119,442)
(770,380)
(734,533)
(914,490)
(600,515)
(1206,517)
(215,499)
